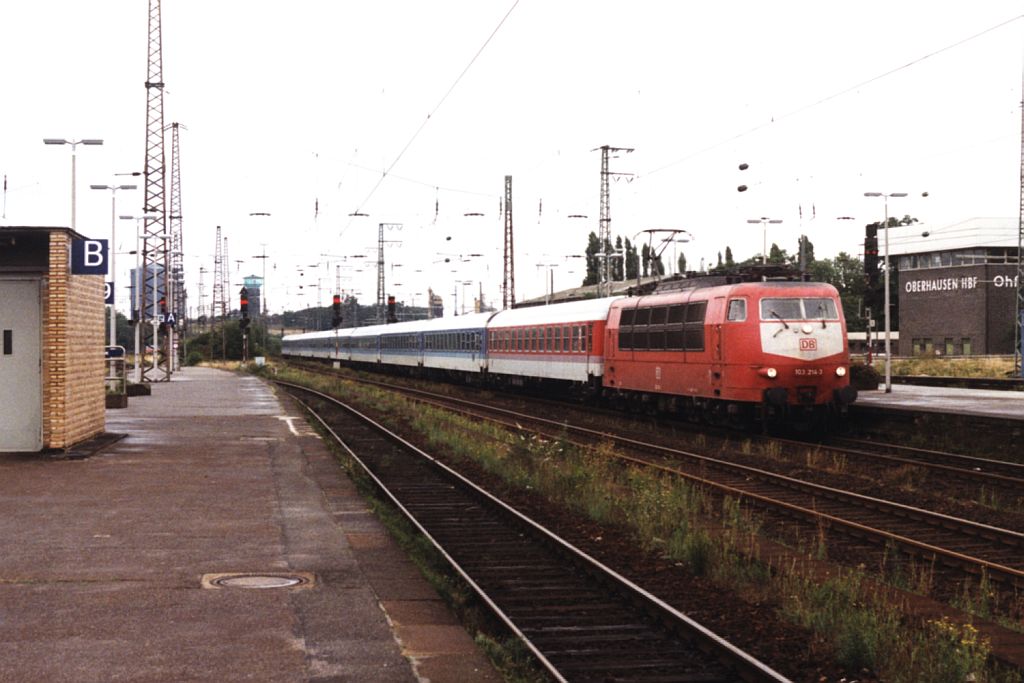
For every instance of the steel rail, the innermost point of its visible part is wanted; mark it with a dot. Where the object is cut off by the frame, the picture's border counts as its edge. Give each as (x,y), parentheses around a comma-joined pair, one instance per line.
(749,668)
(1011,539)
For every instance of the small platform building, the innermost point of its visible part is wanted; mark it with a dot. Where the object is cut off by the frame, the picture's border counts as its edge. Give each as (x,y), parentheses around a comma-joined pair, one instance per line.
(52,365)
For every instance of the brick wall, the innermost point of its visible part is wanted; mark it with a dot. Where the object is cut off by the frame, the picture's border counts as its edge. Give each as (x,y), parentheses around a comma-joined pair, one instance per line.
(74,407)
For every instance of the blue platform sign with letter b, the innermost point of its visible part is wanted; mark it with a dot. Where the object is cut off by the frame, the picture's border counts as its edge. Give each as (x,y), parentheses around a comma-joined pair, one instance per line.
(89,257)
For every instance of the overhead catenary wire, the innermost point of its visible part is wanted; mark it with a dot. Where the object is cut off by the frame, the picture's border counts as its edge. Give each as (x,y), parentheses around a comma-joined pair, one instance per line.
(433,111)
(828,98)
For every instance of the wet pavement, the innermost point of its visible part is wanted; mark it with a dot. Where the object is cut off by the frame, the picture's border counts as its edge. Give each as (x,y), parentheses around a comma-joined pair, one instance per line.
(123,565)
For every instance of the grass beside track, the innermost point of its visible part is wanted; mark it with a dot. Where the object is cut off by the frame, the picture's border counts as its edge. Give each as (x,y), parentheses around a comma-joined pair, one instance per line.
(981,366)
(713,539)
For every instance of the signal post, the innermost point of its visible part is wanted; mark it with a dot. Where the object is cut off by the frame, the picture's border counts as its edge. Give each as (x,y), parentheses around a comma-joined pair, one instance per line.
(244,322)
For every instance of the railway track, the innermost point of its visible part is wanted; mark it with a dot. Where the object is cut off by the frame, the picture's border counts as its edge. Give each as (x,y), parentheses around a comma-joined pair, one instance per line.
(960,544)
(988,472)
(581,620)
(984,470)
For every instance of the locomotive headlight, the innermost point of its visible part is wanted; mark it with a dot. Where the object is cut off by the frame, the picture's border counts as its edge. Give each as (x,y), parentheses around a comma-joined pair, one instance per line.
(770,373)
(841,371)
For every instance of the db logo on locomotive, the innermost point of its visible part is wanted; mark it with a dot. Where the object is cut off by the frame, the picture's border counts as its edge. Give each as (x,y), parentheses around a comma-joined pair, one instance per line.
(808,344)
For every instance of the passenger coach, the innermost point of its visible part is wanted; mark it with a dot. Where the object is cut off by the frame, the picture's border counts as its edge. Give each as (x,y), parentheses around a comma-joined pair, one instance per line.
(564,342)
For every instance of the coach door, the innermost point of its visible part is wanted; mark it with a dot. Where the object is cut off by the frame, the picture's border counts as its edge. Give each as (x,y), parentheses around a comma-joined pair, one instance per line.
(21,387)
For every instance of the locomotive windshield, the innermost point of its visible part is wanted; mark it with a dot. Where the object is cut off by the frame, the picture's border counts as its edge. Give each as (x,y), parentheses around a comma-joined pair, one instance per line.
(798,309)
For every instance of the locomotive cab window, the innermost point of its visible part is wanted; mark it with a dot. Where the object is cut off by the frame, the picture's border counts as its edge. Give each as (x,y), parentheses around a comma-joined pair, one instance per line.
(737,310)
(799,309)
(820,308)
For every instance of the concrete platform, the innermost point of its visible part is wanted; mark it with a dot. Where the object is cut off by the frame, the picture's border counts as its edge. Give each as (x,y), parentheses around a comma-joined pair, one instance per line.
(980,402)
(103,559)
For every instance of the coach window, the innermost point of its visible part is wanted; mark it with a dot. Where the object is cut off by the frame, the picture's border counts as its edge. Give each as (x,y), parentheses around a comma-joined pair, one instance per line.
(737,310)
(589,342)
(558,339)
(565,339)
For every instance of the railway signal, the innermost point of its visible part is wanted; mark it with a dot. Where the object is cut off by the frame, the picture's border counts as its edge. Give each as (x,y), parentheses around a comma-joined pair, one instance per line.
(243,306)
(871,254)
(392,314)
(336,305)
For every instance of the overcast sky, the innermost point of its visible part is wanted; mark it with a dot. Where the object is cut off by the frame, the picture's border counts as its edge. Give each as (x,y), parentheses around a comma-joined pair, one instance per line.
(297,109)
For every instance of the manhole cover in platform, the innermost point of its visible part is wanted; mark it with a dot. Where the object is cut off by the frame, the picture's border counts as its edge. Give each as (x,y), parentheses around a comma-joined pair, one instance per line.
(258,580)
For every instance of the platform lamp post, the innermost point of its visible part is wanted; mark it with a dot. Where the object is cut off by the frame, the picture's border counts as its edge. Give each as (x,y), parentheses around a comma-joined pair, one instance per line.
(885,261)
(113,248)
(136,286)
(764,221)
(74,144)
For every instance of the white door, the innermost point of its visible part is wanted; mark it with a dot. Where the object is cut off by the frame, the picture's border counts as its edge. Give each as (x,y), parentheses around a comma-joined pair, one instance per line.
(21,387)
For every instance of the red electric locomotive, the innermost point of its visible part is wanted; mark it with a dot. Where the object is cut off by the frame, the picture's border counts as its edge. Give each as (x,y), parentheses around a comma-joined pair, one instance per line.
(767,350)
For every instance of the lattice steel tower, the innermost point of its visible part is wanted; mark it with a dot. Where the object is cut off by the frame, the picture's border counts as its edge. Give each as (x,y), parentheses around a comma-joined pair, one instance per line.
(604,236)
(155,235)
(508,284)
(218,303)
(178,300)
(380,273)
(381,302)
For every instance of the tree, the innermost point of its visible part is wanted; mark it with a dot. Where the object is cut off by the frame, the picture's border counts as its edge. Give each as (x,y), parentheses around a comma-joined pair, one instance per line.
(776,255)
(657,267)
(805,251)
(719,260)
(645,259)
(729,263)
(593,262)
(632,261)
(618,272)
(846,274)
(681,264)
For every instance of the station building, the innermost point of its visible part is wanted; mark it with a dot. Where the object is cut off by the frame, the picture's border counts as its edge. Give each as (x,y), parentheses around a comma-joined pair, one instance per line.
(52,324)
(957,286)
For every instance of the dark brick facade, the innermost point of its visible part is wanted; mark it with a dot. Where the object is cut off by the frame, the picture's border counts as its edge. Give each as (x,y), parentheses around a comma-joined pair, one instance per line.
(963,310)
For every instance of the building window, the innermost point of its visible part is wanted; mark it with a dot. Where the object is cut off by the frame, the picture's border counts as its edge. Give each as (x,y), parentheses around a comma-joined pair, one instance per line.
(965,345)
(950,349)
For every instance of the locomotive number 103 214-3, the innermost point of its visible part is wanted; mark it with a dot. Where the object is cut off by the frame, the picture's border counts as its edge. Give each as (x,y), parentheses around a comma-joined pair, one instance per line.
(808,372)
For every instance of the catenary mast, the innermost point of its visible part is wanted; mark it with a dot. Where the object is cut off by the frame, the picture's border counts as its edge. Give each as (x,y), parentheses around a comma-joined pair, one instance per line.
(155,236)
(508,284)
(178,299)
